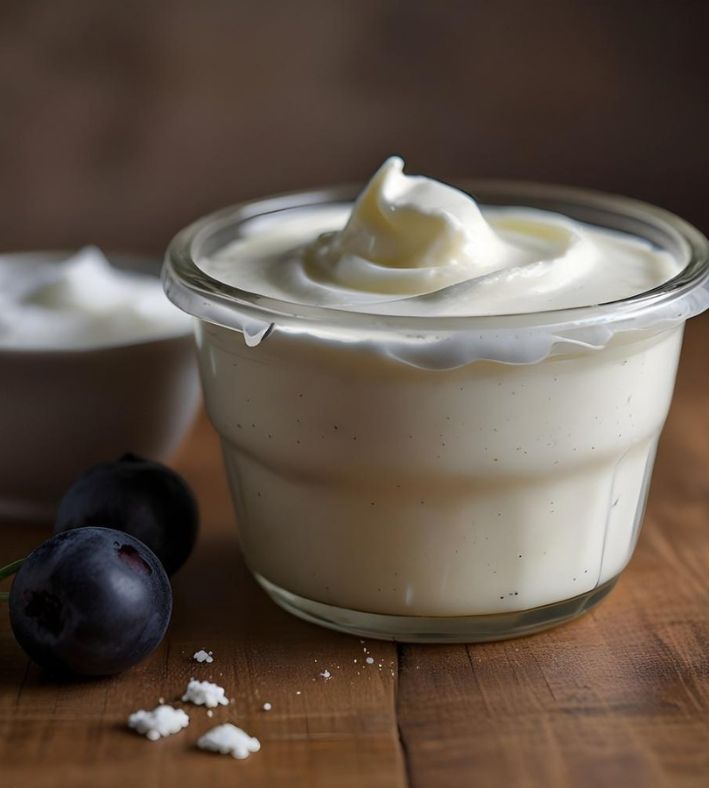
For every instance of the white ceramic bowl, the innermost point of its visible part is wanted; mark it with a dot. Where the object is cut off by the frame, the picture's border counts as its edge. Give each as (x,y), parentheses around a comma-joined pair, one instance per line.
(64,410)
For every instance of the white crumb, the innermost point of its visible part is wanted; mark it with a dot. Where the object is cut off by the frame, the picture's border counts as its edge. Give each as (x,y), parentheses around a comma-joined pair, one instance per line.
(227,739)
(204,693)
(326,675)
(210,713)
(203,656)
(267,706)
(369,660)
(161,721)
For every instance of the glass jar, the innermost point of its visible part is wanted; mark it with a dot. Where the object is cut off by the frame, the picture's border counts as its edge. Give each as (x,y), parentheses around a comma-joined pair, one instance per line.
(439,479)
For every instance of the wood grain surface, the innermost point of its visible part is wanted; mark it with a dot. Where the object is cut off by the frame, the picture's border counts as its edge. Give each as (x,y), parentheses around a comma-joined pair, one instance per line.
(619,697)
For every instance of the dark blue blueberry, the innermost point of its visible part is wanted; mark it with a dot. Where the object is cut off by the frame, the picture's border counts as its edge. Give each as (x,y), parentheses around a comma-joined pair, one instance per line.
(93,601)
(142,498)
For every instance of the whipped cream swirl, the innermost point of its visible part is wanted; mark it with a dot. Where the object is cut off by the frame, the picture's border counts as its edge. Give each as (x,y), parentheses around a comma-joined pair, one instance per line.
(414,246)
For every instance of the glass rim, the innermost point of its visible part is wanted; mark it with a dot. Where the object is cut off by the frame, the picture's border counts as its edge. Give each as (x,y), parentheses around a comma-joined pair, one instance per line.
(213,301)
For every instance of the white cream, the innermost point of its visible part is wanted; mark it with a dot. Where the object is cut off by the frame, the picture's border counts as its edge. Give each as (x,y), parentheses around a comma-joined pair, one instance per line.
(414,246)
(82,302)
(373,485)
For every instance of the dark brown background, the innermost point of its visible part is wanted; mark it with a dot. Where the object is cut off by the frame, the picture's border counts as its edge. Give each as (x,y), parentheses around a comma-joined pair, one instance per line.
(122,121)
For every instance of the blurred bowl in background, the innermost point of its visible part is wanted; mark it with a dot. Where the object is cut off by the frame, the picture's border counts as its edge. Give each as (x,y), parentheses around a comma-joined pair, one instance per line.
(62,410)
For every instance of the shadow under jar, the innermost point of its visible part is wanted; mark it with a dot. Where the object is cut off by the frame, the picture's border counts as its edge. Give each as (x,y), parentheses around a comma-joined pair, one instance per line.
(439,479)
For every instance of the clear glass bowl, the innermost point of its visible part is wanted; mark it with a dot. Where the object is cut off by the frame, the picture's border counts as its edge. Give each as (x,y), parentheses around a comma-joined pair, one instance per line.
(439,479)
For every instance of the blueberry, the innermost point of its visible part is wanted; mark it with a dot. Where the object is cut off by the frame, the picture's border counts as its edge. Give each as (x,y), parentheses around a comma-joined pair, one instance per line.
(93,601)
(142,498)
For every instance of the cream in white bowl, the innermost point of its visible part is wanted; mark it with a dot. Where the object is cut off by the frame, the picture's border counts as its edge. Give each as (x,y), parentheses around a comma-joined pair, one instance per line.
(95,362)
(82,302)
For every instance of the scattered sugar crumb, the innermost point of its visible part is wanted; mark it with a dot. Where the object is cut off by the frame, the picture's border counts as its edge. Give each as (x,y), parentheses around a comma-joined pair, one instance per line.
(161,721)
(161,701)
(227,739)
(267,706)
(297,692)
(369,660)
(204,693)
(210,713)
(326,675)
(203,656)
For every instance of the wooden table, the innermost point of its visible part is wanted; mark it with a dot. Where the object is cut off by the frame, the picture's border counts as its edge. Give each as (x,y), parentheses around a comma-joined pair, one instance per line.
(619,697)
